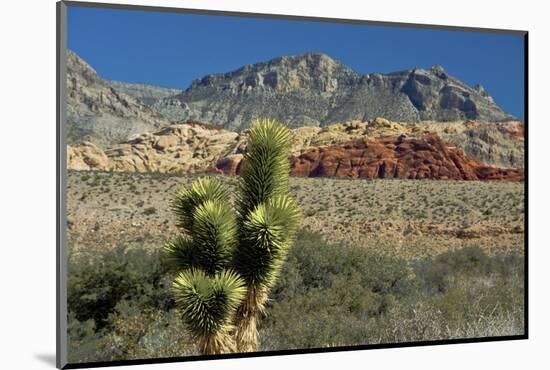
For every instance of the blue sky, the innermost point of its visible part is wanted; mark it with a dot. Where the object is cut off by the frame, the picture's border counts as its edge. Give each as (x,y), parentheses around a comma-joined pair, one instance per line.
(171,49)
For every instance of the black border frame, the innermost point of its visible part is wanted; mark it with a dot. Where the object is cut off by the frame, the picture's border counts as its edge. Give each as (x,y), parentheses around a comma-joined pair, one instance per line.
(61,262)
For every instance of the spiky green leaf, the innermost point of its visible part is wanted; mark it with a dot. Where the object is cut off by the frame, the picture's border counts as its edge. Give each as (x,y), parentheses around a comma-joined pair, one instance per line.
(180,254)
(265,166)
(266,236)
(214,235)
(208,303)
(187,199)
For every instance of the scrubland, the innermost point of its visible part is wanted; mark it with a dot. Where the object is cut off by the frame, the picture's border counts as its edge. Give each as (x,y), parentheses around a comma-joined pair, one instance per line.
(377,261)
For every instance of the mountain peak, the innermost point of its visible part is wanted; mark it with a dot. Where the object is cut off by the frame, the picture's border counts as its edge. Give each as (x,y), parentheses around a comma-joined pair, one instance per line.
(311,89)
(310,56)
(437,69)
(312,70)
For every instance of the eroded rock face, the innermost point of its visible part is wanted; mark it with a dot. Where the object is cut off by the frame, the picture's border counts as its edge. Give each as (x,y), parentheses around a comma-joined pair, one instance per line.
(98,113)
(187,147)
(427,157)
(87,156)
(315,90)
(500,144)
(377,148)
(144,93)
(309,90)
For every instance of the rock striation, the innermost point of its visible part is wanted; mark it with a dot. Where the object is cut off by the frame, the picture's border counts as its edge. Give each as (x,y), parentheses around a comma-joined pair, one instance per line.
(499,144)
(427,157)
(187,147)
(199,147)
(145,93)
(391,157)
(100,114)
(315,90)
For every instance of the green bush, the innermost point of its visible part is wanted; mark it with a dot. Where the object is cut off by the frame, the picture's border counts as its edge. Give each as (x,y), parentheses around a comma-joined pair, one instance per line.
(437,274)
(313,263)
(327,295)
(98,282)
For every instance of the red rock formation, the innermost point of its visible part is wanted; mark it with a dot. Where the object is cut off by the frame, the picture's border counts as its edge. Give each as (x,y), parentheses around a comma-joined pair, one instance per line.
(428,157)
(229,165)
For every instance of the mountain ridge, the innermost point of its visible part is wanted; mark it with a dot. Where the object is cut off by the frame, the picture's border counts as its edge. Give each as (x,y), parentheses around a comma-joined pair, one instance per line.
(306,90)
(312,89)
(98,112)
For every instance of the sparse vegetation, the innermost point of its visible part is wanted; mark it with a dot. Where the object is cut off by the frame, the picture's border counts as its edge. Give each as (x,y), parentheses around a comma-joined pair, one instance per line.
(149,211)
(459,269)
(430,216)
(327,295)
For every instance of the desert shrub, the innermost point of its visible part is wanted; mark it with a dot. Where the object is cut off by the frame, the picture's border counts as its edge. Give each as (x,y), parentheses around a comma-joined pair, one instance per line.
(313,263)
(424,321)
(149,211)
(138,333)
(83,340)
(310,212)
(327,295)
(334,295)
(437,274)
(98,281)
(95,181)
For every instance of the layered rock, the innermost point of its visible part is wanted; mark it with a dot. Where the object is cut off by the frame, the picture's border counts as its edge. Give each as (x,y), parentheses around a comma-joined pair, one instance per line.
(371,149)
(87,156)
(187,147)
(426,157)
(316,90)
(309,90)
(499,144)
(98,113)
(145,93)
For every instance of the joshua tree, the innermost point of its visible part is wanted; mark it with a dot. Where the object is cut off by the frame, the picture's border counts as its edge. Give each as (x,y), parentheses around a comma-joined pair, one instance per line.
(267,221)
(228,260)
(206,289)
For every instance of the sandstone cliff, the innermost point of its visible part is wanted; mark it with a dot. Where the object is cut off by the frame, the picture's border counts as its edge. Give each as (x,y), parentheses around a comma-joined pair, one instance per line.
(371,149)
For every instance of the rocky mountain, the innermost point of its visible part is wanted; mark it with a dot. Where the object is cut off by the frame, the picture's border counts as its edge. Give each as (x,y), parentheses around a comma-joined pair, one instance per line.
(99,113)
(375,148)
(144,93)
(315,90)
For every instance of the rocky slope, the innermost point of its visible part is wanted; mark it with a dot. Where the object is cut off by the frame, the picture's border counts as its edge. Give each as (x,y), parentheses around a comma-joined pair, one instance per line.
(426,157)
(496,143)
(144,93)
(98,113)
(371,149)
(315,90)
(188,147)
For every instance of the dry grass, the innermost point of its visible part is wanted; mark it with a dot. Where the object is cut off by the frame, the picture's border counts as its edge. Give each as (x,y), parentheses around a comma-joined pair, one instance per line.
(395,217)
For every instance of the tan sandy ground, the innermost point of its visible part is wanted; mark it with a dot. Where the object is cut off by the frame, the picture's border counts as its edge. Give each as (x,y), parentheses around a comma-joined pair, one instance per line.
(410,218)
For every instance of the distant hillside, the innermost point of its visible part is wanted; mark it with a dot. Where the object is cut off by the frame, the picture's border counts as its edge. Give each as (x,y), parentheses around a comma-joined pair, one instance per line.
(97,112)
(315,90)
(309,90)
(371,149)
(145,93)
